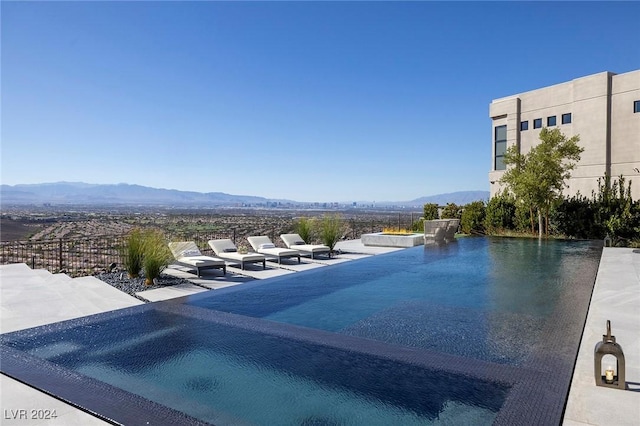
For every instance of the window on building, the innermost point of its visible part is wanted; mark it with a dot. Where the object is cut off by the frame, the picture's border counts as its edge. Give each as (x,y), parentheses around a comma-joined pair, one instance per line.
(524,125)
(551,121)
(537,123)
(500,137)
(566,118)
(636,106)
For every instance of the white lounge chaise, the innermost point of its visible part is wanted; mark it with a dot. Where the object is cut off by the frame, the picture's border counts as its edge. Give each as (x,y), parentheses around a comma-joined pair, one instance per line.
(188,254)
(225,249)
(295,242)
(263,245)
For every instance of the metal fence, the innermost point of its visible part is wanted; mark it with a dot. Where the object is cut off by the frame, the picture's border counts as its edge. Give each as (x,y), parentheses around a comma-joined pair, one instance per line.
(75,256)
(81,256)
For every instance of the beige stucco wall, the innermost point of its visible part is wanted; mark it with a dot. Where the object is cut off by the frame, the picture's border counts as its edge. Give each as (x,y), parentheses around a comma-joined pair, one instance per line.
(601,107)
(625,129)
(589,121)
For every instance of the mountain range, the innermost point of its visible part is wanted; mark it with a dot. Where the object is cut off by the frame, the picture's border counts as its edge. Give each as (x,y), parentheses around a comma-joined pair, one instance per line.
(127,194)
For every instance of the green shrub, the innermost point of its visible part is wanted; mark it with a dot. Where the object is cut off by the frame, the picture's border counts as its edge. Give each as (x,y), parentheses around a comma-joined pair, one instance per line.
(331,230)
(430,211)
(610,211)
(499,214)
(133,252)
(304,227)
(615,210)
(522,219)
(574,217)
(418,225)
(156,255)
(451,211)
(472,220)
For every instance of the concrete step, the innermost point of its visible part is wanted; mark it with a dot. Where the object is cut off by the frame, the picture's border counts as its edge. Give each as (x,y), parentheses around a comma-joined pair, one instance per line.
(59,279)
(31,298)
(41,273)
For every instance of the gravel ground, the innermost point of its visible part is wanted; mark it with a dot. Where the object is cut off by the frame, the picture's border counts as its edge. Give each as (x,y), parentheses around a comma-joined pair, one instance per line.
(122,282)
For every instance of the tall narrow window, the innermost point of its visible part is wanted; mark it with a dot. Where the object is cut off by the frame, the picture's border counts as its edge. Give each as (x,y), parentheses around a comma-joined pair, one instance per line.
(566,118)
(636,106)
(537,123)
(500,137)
(551,121)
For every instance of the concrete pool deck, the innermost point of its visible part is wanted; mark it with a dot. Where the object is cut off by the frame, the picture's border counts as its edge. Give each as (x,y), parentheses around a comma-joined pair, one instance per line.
(213,279)
(28,299)
(616,297)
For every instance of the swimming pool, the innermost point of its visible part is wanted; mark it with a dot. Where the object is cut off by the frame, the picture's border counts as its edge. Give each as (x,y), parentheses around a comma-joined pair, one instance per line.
(483,329)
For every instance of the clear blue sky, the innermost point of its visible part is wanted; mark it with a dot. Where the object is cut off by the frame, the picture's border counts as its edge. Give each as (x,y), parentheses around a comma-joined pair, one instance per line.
(310,101)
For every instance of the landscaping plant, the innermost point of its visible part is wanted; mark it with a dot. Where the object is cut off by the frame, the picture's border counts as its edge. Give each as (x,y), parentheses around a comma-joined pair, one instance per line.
(575,218)
(156,255)
(538,177)
(304,228)
(331,230)
(430,211)
(451,211)
(418,225)
(499,213)
(472,220)
(132,252)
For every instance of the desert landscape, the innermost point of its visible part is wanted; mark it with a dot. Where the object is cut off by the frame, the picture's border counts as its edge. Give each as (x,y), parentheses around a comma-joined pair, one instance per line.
(86,240)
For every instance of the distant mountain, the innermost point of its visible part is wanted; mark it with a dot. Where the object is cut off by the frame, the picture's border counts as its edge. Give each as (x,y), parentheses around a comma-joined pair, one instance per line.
(125,194)
(459,198)
(83,193)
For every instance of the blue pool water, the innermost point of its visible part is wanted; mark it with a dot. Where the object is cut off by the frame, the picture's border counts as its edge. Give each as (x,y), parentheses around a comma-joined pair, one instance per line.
(483,298)
(452,334)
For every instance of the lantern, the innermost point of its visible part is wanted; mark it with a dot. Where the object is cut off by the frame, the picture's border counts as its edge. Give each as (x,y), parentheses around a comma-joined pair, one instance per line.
(611,378)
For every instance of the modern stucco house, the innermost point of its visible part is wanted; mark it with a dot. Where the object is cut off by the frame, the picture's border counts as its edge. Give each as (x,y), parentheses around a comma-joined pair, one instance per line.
(603,108)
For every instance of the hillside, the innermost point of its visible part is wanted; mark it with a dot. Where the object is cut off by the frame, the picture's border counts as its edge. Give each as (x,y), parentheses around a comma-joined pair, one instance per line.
(122,194)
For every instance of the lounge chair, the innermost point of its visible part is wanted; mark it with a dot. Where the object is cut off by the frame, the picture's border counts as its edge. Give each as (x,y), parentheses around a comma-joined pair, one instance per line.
(186,253)
(295,242)
(225,249)
(263,245)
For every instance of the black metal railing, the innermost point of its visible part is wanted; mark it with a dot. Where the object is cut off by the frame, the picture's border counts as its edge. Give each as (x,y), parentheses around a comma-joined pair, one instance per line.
(75,256)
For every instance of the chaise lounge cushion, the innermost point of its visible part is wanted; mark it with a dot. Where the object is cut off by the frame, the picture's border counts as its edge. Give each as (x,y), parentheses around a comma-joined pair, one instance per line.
(263,245)
(228,251)
(188,253)
(294,241)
